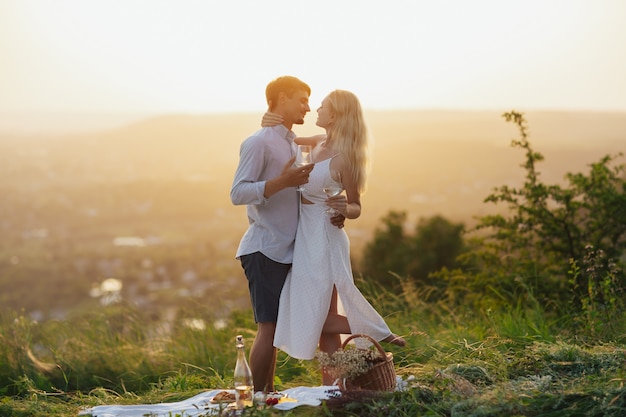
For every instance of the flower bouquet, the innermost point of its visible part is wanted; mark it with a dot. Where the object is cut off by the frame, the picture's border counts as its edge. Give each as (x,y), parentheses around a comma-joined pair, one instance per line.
(359,368)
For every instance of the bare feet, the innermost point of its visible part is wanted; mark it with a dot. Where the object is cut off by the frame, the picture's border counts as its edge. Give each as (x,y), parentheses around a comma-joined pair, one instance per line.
(394,339)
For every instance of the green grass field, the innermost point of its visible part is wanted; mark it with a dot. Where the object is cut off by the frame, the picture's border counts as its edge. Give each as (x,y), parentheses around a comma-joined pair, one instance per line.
(525,328)
(456,363)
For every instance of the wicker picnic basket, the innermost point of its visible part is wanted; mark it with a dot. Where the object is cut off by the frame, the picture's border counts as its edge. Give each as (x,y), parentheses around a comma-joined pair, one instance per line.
(381,377)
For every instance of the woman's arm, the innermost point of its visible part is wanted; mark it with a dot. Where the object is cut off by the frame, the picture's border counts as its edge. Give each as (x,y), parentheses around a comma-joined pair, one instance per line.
(349,204)
(273,119)
(310,140)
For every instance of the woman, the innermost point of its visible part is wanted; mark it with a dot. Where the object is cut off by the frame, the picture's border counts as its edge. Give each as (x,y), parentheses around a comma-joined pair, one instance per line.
(309,309)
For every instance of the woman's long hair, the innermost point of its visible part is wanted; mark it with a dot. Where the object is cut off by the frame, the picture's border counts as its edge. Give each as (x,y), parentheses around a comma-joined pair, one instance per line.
(349,136)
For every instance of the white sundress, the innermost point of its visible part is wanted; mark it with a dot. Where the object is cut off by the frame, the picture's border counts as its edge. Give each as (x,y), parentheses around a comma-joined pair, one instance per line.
(321,259)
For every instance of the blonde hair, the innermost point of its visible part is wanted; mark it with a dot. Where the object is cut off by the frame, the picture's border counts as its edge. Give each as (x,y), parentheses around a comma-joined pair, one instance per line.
(349,135)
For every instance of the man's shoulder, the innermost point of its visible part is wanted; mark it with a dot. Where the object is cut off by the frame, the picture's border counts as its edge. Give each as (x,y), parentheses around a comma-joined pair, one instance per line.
(264,131)
(262,135)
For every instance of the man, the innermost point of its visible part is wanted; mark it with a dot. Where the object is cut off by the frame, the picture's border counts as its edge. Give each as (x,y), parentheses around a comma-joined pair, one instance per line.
(266,182)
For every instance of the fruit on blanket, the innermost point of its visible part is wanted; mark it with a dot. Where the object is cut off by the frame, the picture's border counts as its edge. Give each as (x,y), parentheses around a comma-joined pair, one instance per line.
(273,398)
(271,401)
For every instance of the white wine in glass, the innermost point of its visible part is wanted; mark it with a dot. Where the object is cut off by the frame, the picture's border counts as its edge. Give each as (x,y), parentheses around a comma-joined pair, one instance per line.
(303,158)
(332,188)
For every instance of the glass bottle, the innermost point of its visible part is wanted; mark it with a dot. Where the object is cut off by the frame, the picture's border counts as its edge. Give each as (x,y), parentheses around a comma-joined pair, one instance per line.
(243,376)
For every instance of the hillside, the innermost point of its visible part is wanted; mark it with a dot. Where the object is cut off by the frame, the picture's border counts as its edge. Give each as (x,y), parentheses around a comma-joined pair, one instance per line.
(66,198)
(423,162)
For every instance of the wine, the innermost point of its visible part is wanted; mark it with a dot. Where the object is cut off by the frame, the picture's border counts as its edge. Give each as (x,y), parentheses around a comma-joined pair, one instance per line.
(242,377)
(243,393)
(302,162)
(303,155)
(303,158)
(332,190)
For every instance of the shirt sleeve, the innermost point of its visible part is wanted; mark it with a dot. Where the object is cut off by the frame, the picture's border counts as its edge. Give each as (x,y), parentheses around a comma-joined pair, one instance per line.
(248,187)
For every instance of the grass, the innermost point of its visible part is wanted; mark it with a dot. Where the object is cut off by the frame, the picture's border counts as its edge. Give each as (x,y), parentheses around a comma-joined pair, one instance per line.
(456,363)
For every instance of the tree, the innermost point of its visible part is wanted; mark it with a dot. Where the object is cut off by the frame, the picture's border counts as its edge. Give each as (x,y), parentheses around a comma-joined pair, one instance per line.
(435,244)
(388,251)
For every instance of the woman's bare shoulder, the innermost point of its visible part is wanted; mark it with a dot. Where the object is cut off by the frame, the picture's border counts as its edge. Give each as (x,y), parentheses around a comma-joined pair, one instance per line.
(339,163)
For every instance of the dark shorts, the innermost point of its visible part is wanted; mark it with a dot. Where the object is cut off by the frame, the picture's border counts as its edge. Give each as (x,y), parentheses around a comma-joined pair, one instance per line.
(265,282)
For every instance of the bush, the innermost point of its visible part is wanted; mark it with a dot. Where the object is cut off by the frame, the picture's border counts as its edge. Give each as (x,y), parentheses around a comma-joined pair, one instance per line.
(545,232)
(436,244)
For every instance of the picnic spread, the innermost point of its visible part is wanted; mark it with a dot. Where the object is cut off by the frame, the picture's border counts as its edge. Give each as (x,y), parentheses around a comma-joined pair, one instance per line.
(202,404)
(364,365)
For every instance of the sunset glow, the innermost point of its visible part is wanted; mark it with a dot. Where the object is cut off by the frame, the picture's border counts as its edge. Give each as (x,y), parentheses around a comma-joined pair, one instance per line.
(161,56)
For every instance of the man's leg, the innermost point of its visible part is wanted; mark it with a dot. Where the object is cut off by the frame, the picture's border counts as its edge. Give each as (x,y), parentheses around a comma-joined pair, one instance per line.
(265,281)
(263,357)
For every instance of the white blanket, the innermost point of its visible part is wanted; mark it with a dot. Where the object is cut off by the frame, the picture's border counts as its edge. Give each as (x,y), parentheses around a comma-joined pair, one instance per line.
(200,405)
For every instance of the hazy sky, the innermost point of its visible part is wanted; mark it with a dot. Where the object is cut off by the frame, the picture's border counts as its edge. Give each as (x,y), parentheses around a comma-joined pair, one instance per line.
(215,56)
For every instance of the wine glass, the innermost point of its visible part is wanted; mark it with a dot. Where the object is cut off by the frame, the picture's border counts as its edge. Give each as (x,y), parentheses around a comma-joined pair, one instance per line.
(332,187)
(303,158)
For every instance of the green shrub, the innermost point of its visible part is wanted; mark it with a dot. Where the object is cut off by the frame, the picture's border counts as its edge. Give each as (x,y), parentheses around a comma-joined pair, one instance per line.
(546,228)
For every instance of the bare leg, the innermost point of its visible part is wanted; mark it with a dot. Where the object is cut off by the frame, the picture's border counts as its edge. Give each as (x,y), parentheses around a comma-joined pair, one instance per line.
(270,378)
(394,339)
(263,357)
(330,340)
(335,323)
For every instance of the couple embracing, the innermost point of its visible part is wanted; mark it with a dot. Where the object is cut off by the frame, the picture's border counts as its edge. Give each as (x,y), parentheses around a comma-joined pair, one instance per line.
(296,256)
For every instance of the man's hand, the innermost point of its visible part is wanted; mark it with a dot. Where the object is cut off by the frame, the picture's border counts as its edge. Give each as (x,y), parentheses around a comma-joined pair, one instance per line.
(295,176)
(290,176)
(338,220)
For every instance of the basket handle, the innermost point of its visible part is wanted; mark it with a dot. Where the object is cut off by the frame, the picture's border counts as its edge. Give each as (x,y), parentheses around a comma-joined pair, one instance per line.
(365,336)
